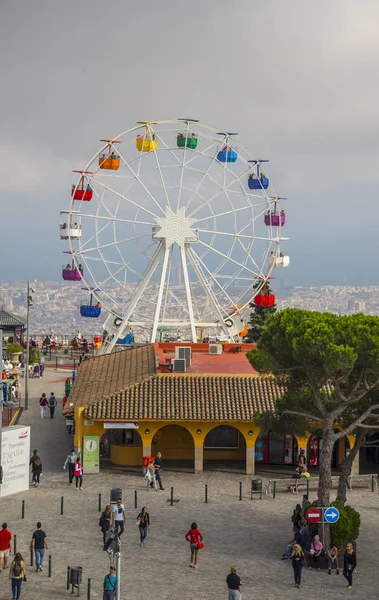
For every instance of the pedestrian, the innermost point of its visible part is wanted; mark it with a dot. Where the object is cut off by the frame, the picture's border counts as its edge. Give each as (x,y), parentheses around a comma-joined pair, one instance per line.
(315,551)
(297,558)
(305,504)
(297,539)
(332,556)
(150,476)
(78,472)
(349,564)
(195,538)
(70,461)
(67,387)
(233,583)
(43,405)
(5,546)
(296,518)
(73,375)
(105,520)
(118,517)
(143,521)
(39,542)
(41,369)
(302,460)
(36,471)
(33,458)
(17,573)
(158,470)
(52,404)
(109,585)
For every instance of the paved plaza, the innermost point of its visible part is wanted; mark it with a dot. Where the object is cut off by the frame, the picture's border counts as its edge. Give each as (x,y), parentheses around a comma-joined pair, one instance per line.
(250,534)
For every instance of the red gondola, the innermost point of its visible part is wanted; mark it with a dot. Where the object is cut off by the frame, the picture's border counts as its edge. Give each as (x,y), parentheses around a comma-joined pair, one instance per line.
(83,191)
(265,297)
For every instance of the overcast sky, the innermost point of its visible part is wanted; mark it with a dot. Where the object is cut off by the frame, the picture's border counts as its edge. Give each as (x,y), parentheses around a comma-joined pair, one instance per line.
(297,79)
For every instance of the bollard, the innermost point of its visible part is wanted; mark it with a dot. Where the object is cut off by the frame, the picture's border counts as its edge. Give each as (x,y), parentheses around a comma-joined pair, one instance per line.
(308,488)
(23,509)
(99,502)
(240,490)
(135,499)
(50,565)
(15,544)
(62,500)
(56,363)
(206,494)
(274,491)
(31,555)
(172,497)
(68,577)
(373,483)
(89,589)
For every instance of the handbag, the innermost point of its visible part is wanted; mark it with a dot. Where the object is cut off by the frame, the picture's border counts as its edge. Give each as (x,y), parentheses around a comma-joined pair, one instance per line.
(349,567)
(200,545)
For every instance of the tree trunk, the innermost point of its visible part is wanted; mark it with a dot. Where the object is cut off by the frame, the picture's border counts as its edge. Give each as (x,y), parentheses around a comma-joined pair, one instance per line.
(325,471)
(347,464)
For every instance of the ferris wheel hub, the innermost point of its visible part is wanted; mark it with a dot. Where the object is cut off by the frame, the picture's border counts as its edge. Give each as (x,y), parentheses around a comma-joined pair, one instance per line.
(175,228)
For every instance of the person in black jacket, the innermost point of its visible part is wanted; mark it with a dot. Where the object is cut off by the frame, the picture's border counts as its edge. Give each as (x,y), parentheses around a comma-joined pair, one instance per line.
(349,564)
(36,470)
(297,558)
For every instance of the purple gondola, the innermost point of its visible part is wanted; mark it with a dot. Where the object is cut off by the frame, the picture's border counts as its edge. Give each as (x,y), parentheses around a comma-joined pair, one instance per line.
(275,220)
(71,273)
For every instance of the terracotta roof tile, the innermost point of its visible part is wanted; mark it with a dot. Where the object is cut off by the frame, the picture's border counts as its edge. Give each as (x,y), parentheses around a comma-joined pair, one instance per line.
(189,397)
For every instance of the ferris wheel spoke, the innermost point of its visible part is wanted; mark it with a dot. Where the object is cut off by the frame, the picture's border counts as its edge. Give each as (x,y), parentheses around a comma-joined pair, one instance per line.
(162,180)
(182,170)
(221,289)
(223,214)
(205,174)
(188,292)
(160,294)
(166,147)
(227,257)
(168,283)
(139,206)
(115,243)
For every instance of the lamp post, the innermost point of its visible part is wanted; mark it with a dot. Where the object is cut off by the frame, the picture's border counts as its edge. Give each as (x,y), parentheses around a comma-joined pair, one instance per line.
(29,303)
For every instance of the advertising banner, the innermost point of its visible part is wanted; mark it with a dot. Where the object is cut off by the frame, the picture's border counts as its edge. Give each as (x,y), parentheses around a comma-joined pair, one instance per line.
(288,450)
(121,425)
(91,454)
(15,460)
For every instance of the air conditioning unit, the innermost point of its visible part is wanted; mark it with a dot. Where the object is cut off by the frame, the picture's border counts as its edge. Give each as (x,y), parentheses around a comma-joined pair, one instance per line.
(184,352)
(215,349)
(179,365)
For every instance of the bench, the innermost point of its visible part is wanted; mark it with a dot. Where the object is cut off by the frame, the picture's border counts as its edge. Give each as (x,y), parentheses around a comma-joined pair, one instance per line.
(370,480)
(294,485)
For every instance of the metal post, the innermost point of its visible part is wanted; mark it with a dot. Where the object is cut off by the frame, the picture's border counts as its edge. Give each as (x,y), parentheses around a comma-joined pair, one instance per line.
(172,497)
(206,494)
(15,544)
(50,565)
(308,488)
(323,525)
(135,499)
(118,576)
(31,555)
(56,363)
(23,509)
(68,577)
(99,502)
(62,500)
(27,350)
(274,491)
(372,484)
(89,589)
(240,490)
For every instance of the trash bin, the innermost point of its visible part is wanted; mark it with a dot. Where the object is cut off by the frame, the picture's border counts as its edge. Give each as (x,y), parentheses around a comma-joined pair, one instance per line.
(116,493)
(238,349)
(76,575)
(256,485)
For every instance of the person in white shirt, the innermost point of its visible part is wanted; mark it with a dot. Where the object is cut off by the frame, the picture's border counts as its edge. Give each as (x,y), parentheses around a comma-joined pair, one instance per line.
(118,514)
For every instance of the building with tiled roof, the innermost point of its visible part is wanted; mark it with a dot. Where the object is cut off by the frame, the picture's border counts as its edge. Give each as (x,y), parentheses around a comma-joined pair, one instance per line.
(134,411)
(10,323)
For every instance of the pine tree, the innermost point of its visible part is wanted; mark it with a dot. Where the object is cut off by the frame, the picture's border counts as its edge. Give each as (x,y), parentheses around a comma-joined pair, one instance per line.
(258,317)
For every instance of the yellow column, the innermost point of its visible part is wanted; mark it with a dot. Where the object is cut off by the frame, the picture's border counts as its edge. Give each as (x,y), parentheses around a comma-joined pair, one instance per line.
(78,435)
(302,442)
(250,432)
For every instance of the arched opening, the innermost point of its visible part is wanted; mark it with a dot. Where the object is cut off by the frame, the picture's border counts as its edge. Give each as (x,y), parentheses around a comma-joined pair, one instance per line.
(225,449)
(369,455)
(123,446)
(276,449)
(176,445)
(314,446)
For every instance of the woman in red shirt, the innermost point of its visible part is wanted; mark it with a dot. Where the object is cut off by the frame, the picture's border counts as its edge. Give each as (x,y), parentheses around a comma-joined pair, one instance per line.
(196,540)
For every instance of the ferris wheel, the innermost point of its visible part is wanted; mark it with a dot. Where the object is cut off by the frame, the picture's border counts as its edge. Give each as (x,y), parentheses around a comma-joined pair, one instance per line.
(170,226)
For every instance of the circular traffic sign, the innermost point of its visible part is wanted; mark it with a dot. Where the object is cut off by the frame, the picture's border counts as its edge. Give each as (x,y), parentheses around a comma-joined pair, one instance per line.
(314,515)
(331,514)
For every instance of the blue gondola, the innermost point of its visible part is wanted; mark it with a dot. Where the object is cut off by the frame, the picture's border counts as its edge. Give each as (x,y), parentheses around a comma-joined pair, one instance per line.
(128,339)
(91,310)
(227,155)
(258,181)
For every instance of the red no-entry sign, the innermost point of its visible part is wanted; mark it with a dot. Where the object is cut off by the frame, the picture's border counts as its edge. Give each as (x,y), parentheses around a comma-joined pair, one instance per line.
(314,515)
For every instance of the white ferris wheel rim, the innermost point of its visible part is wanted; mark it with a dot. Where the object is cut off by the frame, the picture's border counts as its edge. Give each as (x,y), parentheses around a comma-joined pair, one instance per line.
(195,259)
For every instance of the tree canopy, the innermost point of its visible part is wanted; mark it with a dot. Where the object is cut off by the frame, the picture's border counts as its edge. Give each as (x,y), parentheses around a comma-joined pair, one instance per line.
(258,317)
(329,365)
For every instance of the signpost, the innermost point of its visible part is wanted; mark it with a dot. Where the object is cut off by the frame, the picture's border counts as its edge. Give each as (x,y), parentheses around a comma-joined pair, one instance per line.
(314,515)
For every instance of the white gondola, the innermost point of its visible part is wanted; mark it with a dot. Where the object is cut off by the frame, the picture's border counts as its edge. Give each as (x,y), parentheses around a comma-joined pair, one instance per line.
(279,261)
(70,233)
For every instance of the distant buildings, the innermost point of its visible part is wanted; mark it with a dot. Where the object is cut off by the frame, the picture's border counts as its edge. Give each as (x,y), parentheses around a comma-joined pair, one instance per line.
(355,306)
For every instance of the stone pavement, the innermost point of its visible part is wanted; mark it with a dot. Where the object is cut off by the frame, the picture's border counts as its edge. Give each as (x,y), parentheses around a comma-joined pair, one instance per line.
(251,534)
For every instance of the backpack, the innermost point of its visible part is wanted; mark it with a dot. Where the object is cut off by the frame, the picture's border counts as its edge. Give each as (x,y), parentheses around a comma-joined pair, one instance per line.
(17,569)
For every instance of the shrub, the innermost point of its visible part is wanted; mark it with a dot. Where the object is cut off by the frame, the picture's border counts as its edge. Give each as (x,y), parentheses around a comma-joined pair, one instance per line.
(14,348)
